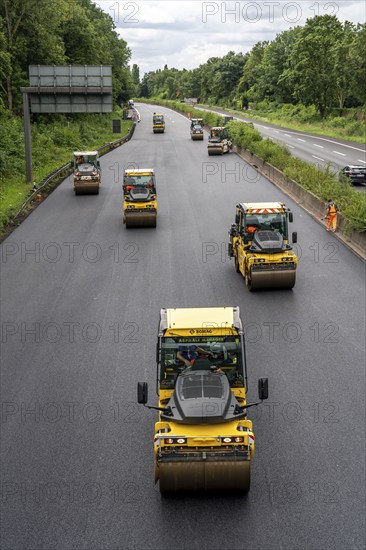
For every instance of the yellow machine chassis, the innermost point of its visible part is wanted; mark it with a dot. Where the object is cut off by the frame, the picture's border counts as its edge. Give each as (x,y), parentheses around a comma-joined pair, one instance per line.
(203,461)
(270,272)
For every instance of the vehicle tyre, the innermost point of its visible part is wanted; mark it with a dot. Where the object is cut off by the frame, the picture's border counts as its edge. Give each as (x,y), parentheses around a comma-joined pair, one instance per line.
(248,282)
(237,267)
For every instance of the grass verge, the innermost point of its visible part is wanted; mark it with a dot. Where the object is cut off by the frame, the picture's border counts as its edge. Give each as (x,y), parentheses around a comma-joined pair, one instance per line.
(53,141)
(305,119)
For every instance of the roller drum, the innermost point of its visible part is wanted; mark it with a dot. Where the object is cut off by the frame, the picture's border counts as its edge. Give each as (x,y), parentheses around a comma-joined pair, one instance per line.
(205,476)
(140,219)
(273,279)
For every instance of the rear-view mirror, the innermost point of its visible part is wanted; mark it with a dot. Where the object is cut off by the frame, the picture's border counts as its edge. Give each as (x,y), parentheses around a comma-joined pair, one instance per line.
(294,237)
(142,393)
(290,217)
(263,388)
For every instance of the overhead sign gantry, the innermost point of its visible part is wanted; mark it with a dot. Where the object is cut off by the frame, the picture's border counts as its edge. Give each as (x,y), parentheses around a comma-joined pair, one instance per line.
(65,89)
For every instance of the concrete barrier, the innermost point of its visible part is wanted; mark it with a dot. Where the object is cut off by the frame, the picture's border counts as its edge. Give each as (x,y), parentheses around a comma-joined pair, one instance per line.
(306,199)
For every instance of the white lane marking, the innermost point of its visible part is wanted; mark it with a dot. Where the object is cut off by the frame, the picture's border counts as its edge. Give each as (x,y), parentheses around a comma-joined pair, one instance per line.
(277,132)
(359,160)
(317,158)
(320,146)
(310,135)
(288,135)
(299,139)
(291,146)
(331,141)
(338,153)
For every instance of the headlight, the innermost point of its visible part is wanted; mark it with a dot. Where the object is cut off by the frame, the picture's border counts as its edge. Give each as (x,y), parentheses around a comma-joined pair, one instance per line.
(236,439)
(172,440)
(259,260)
(287,259)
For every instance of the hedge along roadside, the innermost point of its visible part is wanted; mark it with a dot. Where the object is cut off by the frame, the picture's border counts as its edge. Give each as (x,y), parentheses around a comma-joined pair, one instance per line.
(51,181)
(319,182)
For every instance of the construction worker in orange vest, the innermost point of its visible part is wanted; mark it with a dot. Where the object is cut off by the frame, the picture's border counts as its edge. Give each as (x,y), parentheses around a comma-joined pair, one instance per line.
(331,215)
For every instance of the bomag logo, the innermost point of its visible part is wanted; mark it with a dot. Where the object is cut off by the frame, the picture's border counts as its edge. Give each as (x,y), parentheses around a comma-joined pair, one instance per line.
(201,331)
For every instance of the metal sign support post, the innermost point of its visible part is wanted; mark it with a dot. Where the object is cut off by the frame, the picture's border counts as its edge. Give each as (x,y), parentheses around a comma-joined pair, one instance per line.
(27,138)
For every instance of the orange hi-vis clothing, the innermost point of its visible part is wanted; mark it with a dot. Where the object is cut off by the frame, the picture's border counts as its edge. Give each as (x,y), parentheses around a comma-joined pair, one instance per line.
(332,216)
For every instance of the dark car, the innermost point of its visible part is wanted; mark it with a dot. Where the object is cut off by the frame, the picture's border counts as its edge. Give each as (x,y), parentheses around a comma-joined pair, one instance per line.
(354,174)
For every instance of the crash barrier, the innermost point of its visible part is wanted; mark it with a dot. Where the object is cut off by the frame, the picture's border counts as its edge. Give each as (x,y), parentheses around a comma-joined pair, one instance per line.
(306,199)
(61,173)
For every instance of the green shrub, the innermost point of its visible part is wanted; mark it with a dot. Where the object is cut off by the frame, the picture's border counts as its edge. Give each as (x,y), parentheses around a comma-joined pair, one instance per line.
(54,138)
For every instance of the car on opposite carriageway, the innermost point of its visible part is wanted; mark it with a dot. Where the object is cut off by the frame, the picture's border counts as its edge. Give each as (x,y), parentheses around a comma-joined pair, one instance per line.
(354,174)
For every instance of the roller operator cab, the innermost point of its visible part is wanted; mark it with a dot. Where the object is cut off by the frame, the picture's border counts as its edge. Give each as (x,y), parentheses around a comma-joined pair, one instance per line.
(259,244)
(87,173)
(203,437)
(197,122)
(140,207)
(219,141)
(158,124)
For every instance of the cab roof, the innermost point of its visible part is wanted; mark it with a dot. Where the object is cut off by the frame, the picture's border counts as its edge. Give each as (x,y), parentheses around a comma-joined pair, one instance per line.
(267,207)
(217,127)
(186,318)
(139,172)
(79,153)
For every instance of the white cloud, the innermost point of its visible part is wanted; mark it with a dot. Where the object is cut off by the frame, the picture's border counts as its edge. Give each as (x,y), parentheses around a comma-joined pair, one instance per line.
(184,34)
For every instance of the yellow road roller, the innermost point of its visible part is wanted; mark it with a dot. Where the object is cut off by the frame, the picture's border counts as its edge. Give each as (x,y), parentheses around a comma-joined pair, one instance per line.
(197,132)
(259,244)
(203,438)
(219,141)
(197,122)
(140,207)
(87,173)
(158,124)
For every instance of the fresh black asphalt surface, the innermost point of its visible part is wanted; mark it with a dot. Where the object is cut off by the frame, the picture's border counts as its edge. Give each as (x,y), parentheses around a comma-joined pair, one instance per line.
(79,325)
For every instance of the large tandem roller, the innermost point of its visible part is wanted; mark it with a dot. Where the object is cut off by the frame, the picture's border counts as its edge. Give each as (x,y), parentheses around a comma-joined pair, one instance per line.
(259,244)
(140,206)
(203,438)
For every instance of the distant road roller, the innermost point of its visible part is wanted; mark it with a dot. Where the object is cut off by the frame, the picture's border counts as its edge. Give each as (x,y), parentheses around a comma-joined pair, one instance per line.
(140,207)
(219,141)
(259,244)
(87,172)
(158,124)
(203,438)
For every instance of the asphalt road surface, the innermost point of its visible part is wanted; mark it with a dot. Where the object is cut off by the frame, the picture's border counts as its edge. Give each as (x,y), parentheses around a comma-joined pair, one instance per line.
(81,298)
(320,150)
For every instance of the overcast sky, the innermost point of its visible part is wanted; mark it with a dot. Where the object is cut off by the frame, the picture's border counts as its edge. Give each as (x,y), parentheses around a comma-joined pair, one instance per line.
(186,33)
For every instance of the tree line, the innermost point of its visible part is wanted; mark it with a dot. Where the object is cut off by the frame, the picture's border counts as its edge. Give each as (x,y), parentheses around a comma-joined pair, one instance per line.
(60,32)
(322,63)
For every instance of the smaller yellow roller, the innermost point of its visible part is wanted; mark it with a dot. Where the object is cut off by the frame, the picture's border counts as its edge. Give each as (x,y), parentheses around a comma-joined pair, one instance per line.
(259,244)
(219,141)
(87,173)
(140,207)
(203,439)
